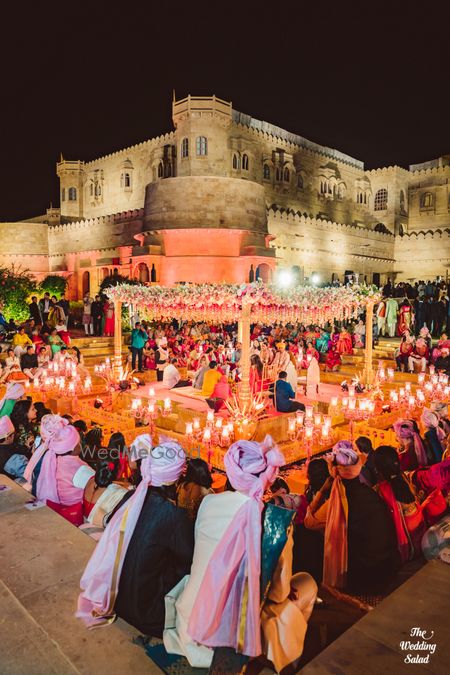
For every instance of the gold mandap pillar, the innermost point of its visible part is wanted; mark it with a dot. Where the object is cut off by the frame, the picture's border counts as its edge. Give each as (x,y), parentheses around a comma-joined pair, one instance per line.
(368,365)
(244,331)
(117,363)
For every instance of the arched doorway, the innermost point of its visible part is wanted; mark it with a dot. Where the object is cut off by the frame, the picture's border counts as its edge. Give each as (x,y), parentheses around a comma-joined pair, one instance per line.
(86,282)
(105,272)
(263,272)
(142,273)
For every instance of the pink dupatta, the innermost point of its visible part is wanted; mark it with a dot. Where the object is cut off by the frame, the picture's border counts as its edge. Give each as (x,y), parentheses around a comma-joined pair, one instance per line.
(226,612)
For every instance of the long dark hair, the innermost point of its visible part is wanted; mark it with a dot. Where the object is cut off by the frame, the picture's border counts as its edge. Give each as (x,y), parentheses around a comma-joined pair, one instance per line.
(19,415)
(116,441)
(387,464)
(106,472)
(197,472)
(317,475)
(256,361)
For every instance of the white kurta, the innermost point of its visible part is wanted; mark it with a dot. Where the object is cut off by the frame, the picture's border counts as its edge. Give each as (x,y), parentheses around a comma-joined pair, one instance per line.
(283,623)
(292,376)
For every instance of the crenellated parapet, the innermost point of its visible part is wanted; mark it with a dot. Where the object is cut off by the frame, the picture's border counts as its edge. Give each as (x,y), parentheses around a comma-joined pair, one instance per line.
(139,147)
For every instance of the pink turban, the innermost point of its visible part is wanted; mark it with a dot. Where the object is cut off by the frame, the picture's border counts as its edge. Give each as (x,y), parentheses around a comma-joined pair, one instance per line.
(162,466)
(62,439)
(14,391)
(50,425)
(237,557)
(6,427)
(430,420)
(404,430)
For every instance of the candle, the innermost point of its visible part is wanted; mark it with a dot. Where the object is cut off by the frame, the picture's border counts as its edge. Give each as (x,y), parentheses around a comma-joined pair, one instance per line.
(225,432)
(151,408)
(210,416)
(136,403)
(300,416)
(421,378)
(408,386)
(390,373)
(402,392)
(309,411)
(345,401)
(219,422)
(382,374)
(196,423)
(371,406)
(362,404)
(207,434)
(411,401)
(71,387)
(151,392)
(327,420)
(325,430)
(189,428)
(432,369)
(27,384)
(435,379)
(352,403)
(317,419)
(334,401)
(351,390)
(167,404)
(291,425)
(36,382)
(308,432)
(394,396)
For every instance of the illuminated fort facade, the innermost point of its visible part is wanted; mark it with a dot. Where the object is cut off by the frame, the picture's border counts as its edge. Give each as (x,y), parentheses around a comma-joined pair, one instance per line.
(226,197)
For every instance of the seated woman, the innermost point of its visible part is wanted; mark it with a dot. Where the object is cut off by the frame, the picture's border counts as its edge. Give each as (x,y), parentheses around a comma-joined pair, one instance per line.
(322,342)
(360,548)
(405,350)
(11,361)
(360,334)
(55,342)
(102,494)
(57,474)
(333,361)
(117,446)
(152,540)
(203,367)
(344,344)
(23,416)
(317,495)
(443,343)
(257,383)
(205,608)
(221,393)
(194,486)
(434,436)
(402,503)
(412,450)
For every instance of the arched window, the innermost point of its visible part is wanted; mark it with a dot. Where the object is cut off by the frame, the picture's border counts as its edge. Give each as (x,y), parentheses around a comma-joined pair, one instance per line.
(185,147)
(235,162)
(91,189)
(63,194)
(300,182)
(278,174)
(286,175)
(72,194)
(341,191)
(266,172)
(160,170)
(98,189)
(127,180)
(426,200)
(245,162)
(380,202)
(202,146)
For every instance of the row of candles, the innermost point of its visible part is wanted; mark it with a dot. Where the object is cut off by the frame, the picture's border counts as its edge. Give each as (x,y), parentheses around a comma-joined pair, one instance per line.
(216,431)
(310,426)
(62,384)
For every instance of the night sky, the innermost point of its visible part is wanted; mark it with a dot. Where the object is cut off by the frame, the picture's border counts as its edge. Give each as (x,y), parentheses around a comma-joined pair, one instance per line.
(85,79)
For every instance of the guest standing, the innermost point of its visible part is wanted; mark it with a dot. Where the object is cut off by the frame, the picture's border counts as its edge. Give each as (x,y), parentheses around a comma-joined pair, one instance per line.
(138,339)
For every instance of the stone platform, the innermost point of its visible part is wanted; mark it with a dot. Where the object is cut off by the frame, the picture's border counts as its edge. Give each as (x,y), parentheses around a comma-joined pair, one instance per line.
(42,558)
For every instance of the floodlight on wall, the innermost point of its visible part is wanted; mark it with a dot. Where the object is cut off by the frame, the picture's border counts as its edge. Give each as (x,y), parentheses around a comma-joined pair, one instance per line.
(315,279)
(285,279)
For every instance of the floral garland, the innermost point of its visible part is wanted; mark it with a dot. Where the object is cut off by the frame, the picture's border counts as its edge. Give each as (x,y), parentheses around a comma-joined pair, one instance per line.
(267,303)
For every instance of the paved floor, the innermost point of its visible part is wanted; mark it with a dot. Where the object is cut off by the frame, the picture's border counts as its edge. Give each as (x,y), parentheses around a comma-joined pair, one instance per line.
(42,558)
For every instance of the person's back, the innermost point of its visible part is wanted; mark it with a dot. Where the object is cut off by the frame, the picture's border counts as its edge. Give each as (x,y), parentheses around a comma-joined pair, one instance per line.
(372,544)
(210,379)
(283,393)
(158,556)
(171,376)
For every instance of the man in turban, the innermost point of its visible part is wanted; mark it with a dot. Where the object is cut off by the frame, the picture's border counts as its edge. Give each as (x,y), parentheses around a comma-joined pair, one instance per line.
(219,604)
(146,548)
(13,457)
(14,392)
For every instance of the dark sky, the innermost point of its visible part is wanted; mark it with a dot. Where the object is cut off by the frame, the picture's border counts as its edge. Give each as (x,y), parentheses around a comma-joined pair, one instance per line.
(370,79)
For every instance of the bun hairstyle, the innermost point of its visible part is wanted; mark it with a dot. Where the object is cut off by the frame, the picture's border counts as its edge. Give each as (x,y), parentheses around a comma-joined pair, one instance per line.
(106,473)
(387,464)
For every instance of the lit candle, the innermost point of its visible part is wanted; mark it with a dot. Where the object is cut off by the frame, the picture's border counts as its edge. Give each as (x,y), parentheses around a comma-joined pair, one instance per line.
(371,406)
(151,392)
(352,403)
(325,431)
(27,384)
(219,422)
(390,373)
(402,392)
(408,386)
(327,420)
(207,434)
(225,432)
(210,416)
(435,379)
(167,404)
(291,425)
(317,419)
(36,382)
(151,408)
(334,401)
(394,396)
(299,418)
(432,369)
(308,432)
(189,428)
(421,378)
(309,411)
(345,401)
(71,387)
(382,374)
(351,390)
(411,401)
(196,423)
(362,404)
(136,403)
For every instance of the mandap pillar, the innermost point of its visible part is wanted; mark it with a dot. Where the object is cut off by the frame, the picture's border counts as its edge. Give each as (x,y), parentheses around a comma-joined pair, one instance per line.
(117,364)
(368,366)
(244,331)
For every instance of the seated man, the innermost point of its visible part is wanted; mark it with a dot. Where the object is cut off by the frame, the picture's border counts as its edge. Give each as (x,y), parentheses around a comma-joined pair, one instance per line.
(284,395)
(420,354)
(29,363)
(210,379)
(171,376)
(207,607)
(443,361)
(13,457)
(20,341)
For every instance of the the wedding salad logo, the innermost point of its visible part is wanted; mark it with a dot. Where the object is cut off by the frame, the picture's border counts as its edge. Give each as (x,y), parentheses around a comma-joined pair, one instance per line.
(419,648)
